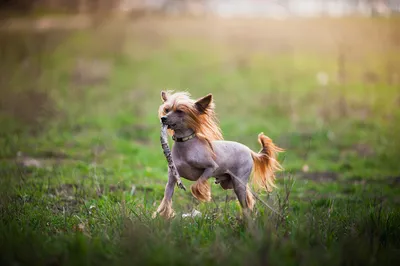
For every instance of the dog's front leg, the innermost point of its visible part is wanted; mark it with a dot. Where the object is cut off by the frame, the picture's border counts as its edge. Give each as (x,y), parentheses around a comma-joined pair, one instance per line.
(201,190)
(165,208)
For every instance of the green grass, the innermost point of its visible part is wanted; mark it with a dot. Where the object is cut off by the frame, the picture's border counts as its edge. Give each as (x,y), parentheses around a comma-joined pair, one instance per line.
(84,104)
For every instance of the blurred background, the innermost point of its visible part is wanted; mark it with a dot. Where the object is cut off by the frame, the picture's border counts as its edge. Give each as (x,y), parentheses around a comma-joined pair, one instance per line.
(252,8)
(80,80)
(80,86)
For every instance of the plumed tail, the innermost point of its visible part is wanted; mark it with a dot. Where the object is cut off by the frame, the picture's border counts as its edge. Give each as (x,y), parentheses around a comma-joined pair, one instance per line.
(265,163)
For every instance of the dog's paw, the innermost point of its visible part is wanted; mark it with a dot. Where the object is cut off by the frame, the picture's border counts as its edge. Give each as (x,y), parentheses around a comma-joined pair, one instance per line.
(181,186)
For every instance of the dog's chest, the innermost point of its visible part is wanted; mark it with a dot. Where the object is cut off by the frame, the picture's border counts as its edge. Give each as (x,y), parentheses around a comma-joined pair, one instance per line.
(183,159)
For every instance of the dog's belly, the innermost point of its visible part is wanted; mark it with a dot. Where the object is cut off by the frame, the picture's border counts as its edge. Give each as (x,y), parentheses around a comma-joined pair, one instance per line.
(224,180)
(187,171)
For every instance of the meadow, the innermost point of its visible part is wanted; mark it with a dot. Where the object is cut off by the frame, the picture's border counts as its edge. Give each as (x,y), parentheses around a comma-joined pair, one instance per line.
(82,169)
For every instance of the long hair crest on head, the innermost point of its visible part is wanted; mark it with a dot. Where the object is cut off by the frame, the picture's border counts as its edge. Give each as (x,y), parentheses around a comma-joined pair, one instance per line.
(201,115)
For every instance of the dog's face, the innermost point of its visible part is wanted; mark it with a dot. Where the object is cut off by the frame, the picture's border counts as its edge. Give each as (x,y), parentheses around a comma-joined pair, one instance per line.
(179,112)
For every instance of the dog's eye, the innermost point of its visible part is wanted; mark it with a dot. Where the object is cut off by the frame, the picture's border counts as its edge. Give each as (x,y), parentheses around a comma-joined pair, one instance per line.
(179,111)
(166,110)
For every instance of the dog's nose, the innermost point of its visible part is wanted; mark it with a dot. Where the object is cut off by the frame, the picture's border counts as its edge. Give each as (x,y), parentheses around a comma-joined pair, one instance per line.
(164,119)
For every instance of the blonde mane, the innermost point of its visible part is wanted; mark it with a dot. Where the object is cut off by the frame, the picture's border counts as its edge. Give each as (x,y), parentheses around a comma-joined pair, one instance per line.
(204,123)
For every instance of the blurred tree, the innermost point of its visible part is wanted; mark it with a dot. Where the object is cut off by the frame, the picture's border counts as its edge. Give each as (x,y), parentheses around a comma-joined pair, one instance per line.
(81,6)
(22,5)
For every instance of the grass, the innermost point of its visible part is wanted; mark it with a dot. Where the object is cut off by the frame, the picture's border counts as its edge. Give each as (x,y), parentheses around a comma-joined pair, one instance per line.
(81,107)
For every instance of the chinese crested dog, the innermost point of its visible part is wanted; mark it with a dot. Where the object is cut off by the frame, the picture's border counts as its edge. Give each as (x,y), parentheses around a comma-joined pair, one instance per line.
(199,152)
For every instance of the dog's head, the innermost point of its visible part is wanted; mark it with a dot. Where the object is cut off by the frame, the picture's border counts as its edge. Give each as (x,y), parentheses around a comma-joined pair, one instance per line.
(180,112)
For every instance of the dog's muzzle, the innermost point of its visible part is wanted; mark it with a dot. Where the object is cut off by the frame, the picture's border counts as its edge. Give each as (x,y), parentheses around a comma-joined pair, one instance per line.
(164,120)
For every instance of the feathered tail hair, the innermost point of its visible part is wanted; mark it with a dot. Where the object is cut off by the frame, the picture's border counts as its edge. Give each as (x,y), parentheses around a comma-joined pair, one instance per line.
(265,163)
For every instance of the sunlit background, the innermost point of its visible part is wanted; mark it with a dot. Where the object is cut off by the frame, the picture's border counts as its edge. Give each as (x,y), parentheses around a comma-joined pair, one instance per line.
(80,86)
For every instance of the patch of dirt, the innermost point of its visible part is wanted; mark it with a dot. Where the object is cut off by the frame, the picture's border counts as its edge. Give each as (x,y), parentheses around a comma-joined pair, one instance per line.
(332,176)
(41,159)
(320,176)
(53,154)
(66,197)
(390,181)
(65,190)
(363,149)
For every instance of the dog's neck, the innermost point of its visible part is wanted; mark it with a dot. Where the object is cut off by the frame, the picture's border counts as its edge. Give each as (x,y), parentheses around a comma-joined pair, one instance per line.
(183,133)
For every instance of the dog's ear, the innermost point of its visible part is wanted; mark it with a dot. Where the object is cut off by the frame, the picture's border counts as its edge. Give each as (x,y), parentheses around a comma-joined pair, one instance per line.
(203,103)
(164,97)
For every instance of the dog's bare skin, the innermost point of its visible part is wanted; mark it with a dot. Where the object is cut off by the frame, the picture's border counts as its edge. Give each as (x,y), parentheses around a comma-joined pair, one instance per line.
(198,159)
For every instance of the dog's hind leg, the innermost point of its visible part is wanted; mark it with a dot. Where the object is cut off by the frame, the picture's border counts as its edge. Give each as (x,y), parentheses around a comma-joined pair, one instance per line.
(242,191)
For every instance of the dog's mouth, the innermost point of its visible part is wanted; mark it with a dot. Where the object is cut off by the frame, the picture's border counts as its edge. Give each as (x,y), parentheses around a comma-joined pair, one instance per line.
(171,126)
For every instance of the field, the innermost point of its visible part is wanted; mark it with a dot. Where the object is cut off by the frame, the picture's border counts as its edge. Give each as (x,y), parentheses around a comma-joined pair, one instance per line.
(82,168)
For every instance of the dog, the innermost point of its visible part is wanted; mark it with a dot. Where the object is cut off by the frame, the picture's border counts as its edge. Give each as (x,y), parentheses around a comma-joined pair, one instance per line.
(199,152)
